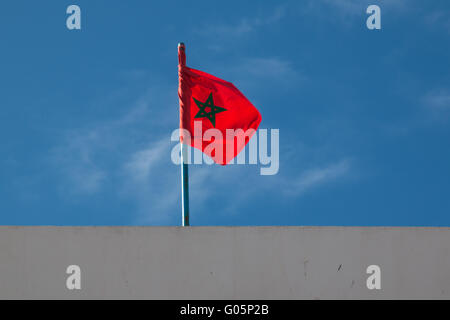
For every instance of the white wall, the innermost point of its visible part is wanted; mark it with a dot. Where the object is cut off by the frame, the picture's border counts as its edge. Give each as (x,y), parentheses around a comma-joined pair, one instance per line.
(224,262)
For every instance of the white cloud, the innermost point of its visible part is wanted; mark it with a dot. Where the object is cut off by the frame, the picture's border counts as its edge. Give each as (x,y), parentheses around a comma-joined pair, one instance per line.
(347,12)
(89,157)
(142,161)
(150,180)
(243,183)
(348,7)
(438,100)
(439,19)
(267,67)
(315,177)
(74,161)
(263,71)
(243,26)
(147,177)
(129,156)
(355,7)
(88,180)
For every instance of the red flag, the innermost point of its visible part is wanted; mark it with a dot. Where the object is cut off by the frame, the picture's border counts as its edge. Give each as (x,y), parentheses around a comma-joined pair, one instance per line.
(212,103)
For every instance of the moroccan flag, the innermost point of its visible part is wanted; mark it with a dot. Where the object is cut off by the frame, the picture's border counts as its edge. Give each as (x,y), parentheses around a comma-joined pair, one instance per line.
(208,103)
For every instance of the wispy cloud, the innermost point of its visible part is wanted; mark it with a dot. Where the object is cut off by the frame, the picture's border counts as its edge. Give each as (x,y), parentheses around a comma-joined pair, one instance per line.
(128,156)
(75,162)
(267,67)
(356,7)
(261,72)
(429,108)
(347,7)
(141,162)
(436,106)
(151,181)
(242,184)
(438,100)
(315,177)
(88,157)
(439,19)
(243,26)
(347,12)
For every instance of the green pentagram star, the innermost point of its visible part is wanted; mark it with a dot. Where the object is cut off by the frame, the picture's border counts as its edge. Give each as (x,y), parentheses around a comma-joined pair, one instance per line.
(209,103)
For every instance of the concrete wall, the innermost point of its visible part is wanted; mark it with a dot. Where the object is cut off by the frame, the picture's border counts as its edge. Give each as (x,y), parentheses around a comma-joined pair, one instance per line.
(224,262)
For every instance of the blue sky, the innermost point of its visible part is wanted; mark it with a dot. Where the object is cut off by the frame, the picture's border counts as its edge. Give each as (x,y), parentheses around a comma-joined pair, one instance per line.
(364,116)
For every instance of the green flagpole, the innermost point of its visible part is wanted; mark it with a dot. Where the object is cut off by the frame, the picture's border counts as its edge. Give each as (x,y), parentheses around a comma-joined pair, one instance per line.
(184,163)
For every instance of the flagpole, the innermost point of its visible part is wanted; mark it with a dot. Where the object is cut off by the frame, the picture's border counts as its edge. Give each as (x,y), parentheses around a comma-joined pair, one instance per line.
(183,153)
(184,186)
